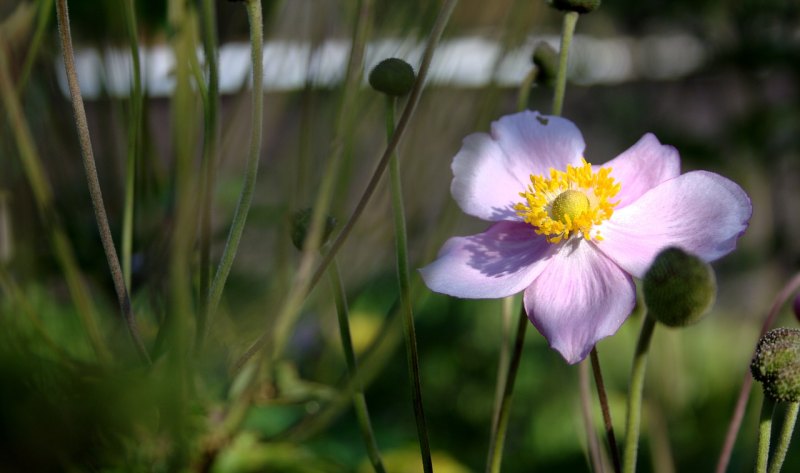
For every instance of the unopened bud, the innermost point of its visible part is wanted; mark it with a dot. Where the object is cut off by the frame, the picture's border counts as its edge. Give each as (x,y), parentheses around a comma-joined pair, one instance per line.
(679,288)
(545,58)
(393,77)
(580,6)
(301,222)
(777,364)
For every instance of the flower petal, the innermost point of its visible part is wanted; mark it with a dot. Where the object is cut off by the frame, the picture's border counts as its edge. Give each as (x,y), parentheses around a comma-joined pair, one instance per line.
(483,184)
(580,298)
(534,143)
(701,212)
(643,166)
(502,261)
(490,170)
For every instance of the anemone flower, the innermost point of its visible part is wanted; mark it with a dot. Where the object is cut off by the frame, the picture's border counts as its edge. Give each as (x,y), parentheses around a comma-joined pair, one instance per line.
(572,235)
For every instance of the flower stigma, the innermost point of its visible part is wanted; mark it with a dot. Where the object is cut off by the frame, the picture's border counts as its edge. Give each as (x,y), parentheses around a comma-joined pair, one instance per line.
(569,203)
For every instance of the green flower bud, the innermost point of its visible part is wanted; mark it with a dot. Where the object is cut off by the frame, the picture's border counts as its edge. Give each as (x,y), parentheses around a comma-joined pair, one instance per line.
(580,6)
(393,77)
(545,58)
(777,364)
(301,221)
(679,288)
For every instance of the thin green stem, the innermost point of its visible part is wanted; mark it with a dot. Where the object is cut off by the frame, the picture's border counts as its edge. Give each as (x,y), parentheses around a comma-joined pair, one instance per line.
(404,278)
(300,287)
(402,124)
(42,22)
(780,300)
(586,413)
(302,283)
(503,361)
(495,457)
(635,395)
(359,400)
(604,407)
(248,188)
(764,433)
(210,140)
(524,94)
(779,455)
(93,181)
(567,31)
(43,195)
(134,143)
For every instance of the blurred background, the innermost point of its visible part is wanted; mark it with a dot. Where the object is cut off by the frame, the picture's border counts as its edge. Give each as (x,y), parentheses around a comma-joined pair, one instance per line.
(719,80)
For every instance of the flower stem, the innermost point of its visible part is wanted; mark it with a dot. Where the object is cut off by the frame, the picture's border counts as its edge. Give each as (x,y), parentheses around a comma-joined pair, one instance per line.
(567,31)
(586,412)
(134,138)
(786,437)
(402,123)
(603,398)
(93,181)
(525,89)
(764,433)
(43,195)
(45,11)
(303,284)
(404,278)
(210,140)
(248,188)
(359,401)
(278,336)
(497,441)
(635,395)
(502,363)
(744,393)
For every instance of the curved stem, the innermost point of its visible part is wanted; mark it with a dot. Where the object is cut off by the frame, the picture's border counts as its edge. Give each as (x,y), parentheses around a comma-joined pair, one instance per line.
(586,413)
(43,195)
(567,31)
(134,137)
(495,457)
(524,94)
(93,181)
(404,278)
(303,284)
(246,196)
(42,23)
(744,393)
(764,433)
(402,123)
(210,140)
(603,398)
(502,362)
(359,400)
(635,395)
(786,437)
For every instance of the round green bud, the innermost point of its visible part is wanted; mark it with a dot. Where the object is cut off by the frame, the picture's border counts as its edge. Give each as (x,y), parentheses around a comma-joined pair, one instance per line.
(545,58)
(777,364)
(679,288)
(580,6)
(393,77)
(301,221)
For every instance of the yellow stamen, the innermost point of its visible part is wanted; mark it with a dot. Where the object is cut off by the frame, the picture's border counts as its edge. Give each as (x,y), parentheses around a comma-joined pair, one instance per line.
(569,202)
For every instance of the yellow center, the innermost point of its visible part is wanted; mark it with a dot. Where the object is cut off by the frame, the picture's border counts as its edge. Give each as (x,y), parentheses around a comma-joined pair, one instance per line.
(568,206)
(569,202)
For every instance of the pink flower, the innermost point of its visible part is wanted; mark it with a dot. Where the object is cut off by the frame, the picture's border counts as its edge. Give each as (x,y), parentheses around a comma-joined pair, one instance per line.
(572,235)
